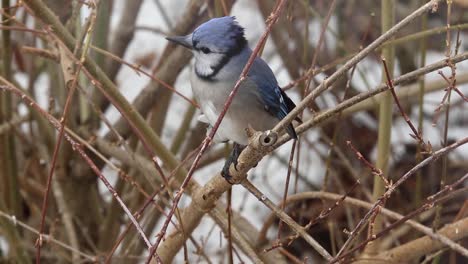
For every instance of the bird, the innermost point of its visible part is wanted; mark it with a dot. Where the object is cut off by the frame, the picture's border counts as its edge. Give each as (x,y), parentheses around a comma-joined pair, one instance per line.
(221,52)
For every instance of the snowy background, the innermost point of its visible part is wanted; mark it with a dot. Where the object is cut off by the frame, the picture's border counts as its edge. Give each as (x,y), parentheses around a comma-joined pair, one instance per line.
(269,175)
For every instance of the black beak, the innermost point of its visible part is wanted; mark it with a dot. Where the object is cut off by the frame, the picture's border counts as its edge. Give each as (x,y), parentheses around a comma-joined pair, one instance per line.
(185,41)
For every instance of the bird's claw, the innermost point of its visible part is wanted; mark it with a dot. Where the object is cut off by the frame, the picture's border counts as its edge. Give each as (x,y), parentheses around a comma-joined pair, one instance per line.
(225,171)
(226,175)
(231,160)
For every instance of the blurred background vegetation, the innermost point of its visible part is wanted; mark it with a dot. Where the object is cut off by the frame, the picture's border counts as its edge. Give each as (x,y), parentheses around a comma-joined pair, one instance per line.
(103,69)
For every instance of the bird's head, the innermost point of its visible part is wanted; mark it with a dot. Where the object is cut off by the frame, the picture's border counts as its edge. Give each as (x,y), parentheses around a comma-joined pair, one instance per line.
(213,42)
(218,35)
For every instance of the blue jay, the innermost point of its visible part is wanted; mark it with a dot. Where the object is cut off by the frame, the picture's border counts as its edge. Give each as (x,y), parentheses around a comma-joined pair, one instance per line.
(221,52)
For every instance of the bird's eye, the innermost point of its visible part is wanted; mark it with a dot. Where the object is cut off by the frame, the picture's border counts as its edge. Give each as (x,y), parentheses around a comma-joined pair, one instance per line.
(205,50)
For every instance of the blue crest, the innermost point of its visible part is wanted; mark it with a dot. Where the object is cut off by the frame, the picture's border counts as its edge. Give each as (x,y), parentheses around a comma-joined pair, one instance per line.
(222,34)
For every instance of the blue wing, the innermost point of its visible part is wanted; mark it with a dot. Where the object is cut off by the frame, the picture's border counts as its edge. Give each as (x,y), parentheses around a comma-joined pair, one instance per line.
(275,101)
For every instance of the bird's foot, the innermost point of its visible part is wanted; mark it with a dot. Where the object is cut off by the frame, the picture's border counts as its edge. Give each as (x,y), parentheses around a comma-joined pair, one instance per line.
(225,171)
(226,174)
(232,159)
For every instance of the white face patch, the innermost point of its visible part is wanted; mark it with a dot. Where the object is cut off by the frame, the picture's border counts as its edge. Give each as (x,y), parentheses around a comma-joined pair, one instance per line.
(204,63)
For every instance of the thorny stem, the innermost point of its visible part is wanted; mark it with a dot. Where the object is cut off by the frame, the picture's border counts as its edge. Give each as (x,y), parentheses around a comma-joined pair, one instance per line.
(127,228)
(63,120)
(319,44)
(441,196)
(451,84)
(322,215)
(287,219)
(105,85)
(45,237)
(436,155)
(349,64)
(138,70)
(422,88)
(320,117)
(360,157)
(122,142)
(335,149)
(11,198)
(144,144)
(416,134)
(150,199)
(385,120)
(78,148)
(420,35)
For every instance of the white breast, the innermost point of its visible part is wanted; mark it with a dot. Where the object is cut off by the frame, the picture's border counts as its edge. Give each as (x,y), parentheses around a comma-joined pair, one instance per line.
(211,98)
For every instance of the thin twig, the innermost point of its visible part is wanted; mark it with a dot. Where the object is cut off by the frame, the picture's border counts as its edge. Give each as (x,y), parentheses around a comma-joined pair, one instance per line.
(375,170)
(433,234)
(76,147)
(287,219)
(387,212)
(361,55)
(322,215)
(436,155)
(326,114)
(73,83)
(416,134)
(319,44)
(15,221)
